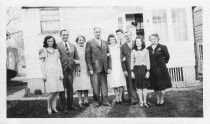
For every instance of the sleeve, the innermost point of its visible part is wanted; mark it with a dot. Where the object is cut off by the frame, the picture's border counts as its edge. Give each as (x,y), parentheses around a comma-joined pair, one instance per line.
(42,53)
(122,55)
(148,59)
(132,60)
(166,54)
(109,58)
(87,56)
(59,62)
(76,57)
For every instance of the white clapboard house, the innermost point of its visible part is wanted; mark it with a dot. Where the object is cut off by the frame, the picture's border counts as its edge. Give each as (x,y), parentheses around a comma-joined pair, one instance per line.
(174,25)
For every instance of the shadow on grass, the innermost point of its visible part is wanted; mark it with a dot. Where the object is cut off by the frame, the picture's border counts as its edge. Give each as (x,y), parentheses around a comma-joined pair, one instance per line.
(37,109)
(15,86)
(178,104)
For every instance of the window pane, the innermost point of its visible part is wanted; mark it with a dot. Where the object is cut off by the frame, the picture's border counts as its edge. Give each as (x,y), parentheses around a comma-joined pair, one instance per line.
(179,24)
(49,19)
(50,26)
(159,21)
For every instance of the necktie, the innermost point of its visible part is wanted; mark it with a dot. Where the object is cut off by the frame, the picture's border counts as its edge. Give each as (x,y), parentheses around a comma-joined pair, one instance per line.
(67,49)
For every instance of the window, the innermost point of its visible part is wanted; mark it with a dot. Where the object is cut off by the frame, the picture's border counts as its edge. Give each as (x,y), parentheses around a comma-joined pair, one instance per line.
(49,20)
(159,21)
(179,24)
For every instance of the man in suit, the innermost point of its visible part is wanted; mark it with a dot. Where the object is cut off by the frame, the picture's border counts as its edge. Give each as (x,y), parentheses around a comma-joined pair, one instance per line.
(125,54)
(98,59)
(70,62)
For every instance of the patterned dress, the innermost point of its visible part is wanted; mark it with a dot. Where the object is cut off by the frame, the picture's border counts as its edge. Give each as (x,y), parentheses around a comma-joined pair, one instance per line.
(51,68)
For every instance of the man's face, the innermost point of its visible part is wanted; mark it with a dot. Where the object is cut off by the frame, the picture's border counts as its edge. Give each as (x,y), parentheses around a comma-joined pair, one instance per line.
(65,36)
(120,35)
(97,33)
(128,36)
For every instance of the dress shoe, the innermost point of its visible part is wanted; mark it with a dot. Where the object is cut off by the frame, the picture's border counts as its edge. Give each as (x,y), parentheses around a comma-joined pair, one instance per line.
(72,108)
(81,105)
(157,105)
(86,104)
(134,103)
(106,104)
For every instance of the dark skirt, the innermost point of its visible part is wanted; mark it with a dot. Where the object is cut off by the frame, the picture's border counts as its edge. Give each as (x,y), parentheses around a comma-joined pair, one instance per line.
(159,78)
(140,81)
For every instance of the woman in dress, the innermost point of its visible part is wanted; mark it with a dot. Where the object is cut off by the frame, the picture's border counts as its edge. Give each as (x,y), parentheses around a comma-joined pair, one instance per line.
(159,76)
(52,71)
(116,79)
(82,82)
(140,67)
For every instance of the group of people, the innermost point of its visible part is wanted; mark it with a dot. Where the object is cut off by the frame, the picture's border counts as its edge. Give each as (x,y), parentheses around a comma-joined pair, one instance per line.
(99,65)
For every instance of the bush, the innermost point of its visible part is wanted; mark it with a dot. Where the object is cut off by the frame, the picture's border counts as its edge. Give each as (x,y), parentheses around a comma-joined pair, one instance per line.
(38,91)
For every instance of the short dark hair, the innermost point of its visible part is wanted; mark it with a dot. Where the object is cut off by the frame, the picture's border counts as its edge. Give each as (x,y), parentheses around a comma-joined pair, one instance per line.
(81,37)
(119,30)
(111,35)
(62,31)
(45,45)
(142,45)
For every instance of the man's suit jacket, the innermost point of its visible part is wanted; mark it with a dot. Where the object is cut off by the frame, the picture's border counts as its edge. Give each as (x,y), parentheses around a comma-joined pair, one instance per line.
(98,57)
(125,52)
(68,60)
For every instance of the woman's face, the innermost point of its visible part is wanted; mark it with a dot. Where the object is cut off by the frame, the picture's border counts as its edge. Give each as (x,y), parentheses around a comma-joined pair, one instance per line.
(138,42)
(154,40)
(112,40)
(81,41)
(50,42)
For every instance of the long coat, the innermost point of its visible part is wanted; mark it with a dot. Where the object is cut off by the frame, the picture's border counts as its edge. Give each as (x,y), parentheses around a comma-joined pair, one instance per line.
(159,76)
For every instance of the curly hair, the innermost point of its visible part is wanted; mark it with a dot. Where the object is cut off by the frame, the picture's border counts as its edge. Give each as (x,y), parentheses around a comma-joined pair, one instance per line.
(155,35)
(45,45)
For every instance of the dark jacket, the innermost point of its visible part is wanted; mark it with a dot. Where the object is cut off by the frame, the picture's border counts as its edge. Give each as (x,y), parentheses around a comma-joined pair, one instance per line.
(159,57)
(98,57)
(125,51)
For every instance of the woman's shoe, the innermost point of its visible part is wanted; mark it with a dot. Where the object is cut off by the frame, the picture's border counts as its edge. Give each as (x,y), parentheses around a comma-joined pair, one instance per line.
(145,105)
(141,105)
(49,111)
(157,105)
(55,111)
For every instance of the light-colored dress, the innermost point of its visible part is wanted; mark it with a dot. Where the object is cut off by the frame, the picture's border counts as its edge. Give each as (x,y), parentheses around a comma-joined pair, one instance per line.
(52,70)
(83,81)
(117,77)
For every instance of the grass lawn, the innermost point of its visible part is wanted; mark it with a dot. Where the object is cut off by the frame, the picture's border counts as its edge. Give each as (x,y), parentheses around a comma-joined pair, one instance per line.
(188,103)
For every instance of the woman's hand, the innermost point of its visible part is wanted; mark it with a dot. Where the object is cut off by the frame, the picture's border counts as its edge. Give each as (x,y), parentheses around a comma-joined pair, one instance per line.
(109,71)
(77,73)
(132,74)
(147,74)
(61,77)
(125,73)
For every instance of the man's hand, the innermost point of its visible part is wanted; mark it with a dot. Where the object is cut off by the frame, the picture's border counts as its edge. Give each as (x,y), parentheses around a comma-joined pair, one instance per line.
(147,75)
(109,71)
(132,75)
(91,72)
(77,73)
(126,73)
(123,59)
